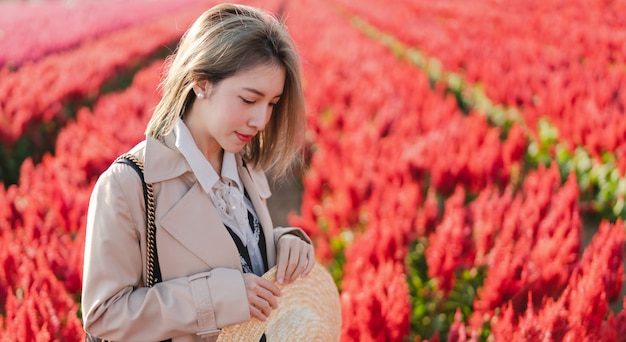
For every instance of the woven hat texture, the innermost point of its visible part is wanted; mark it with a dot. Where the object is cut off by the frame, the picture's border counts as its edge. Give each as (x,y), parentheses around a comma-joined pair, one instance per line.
(308,310)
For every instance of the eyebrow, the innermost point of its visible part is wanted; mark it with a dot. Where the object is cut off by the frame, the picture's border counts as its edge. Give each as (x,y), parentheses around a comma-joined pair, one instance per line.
(258,92)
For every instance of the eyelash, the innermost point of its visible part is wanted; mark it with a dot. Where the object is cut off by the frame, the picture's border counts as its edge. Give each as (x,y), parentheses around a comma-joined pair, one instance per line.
(253,102)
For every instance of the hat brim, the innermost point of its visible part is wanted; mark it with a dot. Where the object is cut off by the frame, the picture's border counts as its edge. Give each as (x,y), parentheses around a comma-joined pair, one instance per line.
(308,309)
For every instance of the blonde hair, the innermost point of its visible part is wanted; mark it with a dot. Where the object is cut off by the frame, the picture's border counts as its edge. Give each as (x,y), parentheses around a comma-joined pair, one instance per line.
(224,40)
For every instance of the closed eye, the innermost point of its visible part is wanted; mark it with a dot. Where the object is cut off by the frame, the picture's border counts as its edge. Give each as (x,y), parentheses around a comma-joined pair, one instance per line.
(246,101)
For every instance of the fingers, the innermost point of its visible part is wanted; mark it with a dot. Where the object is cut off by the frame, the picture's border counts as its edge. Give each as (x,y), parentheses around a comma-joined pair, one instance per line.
(282,259)
(293,264)
(311,263)
(269,287)
(298,261)
(261,296)
(288,258)
(296,258)
(260,308)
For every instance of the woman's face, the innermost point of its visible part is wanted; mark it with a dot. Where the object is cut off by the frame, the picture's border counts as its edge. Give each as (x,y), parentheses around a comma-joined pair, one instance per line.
(233,111)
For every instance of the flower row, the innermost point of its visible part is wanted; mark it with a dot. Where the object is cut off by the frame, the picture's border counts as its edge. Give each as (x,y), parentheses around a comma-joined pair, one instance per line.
(601,174)
(386,150)
(40,277)
(373,152)
(39,98)
(366,129)
(527,242)
(571,71)
(38,93)
(55,26)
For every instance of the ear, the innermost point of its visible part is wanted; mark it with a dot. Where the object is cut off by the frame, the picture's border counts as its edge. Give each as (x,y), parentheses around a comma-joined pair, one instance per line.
(202,87)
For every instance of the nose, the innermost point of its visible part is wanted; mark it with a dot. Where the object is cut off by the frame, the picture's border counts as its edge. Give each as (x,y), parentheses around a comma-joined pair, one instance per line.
(260,116)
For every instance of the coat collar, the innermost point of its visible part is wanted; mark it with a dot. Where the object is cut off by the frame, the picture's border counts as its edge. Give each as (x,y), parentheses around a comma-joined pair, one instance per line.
(164,161)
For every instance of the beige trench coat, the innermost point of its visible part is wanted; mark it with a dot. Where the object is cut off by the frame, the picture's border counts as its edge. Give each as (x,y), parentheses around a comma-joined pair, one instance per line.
(202,288)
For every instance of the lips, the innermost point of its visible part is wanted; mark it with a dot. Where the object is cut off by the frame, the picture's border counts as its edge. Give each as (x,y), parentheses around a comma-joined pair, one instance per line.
(244,137)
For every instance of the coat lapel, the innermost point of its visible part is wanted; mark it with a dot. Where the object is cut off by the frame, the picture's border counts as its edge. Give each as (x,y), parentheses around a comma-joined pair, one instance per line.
(195,223)
(191,220)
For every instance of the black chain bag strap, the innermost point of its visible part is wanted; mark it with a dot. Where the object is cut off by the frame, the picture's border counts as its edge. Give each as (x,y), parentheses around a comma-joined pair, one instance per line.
(153,269)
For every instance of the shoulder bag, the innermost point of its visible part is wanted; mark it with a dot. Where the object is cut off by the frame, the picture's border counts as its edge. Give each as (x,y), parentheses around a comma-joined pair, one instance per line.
(152,260)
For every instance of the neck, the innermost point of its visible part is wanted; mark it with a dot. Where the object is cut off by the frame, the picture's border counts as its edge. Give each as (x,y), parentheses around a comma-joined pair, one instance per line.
(211,150)
(216,161)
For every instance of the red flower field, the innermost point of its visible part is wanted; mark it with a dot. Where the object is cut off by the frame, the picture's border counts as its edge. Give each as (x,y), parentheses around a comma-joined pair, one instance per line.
(465,172)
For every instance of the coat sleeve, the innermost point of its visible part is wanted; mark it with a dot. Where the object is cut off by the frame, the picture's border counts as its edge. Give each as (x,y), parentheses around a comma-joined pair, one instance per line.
(280,231)
(114,304)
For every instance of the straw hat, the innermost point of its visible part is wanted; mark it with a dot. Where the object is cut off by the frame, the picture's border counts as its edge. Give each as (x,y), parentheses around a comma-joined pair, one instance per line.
(308,310)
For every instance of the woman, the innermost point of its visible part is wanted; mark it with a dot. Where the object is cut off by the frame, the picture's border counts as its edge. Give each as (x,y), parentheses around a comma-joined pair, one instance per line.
(232,108)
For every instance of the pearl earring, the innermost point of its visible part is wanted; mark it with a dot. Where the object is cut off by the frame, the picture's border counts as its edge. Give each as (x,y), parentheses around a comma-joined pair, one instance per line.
(200,95)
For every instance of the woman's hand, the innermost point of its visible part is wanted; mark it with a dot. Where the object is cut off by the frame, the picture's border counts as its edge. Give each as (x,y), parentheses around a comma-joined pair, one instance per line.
(261,296)
(296,258)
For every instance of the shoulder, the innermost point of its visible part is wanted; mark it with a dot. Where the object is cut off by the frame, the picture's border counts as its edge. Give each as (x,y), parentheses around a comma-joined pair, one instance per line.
(121,177)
